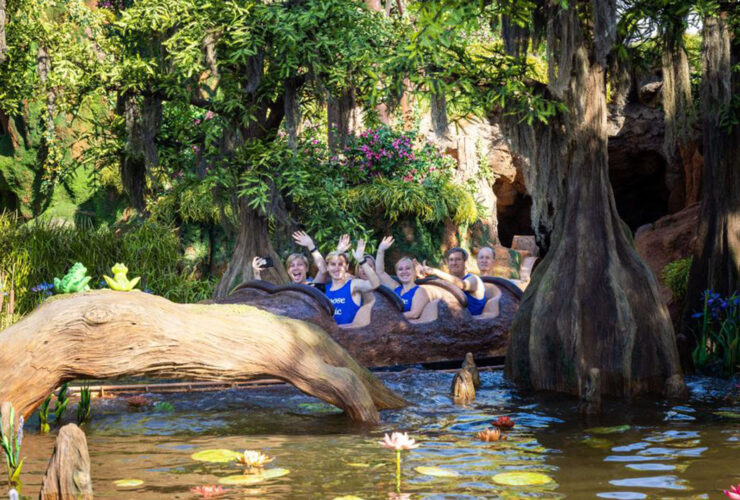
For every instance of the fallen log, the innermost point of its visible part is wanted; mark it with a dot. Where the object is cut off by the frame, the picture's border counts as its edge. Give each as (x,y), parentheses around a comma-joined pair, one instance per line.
(67,476)
(105,334)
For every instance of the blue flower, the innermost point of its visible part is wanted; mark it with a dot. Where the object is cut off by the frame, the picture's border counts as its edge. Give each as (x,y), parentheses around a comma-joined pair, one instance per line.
(698,315)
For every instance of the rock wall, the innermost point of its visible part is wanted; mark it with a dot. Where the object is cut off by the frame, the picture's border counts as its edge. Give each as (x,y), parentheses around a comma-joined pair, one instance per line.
(645,186)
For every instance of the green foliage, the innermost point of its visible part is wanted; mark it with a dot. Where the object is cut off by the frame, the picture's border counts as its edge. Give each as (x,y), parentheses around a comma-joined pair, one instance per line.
(11,446)
(718,349)
(44,415)
(676,277)
(84,406)
(62,401)
(35,252)
(163,407)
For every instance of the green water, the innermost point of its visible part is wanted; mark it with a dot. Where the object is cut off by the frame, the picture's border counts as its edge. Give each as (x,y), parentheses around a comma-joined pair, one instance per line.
(657,450)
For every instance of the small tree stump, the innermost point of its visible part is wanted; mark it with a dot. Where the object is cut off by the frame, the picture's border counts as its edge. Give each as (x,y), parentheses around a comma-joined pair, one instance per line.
(470,366)
(463,389)
(68,473)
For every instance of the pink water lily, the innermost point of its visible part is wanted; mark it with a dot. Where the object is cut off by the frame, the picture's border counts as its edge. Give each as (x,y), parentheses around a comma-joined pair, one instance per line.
(398,441)
(208,491)
(733,492)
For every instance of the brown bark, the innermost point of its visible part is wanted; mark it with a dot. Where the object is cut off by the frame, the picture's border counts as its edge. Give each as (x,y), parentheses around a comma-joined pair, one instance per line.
(679,144)
(3,44)
(342,119)
(716,262)
(105,334)
(68,473)
(593,304)
(252,240)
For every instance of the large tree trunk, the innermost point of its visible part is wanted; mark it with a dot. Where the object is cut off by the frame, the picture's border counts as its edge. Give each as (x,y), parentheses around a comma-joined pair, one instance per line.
(105,334)
(592,314)
(679,144)
(716,263)
(252,240)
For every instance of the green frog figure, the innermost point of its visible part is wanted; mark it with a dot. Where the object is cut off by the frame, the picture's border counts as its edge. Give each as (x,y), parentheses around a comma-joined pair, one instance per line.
(119,281)
(74,281)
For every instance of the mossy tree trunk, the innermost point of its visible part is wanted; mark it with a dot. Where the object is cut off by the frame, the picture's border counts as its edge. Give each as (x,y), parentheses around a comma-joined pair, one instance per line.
(716,259)
(253,239)
(679,144)
(592,314)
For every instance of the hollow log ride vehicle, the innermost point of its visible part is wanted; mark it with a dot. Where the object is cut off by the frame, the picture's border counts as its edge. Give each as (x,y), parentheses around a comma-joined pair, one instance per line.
(381,336)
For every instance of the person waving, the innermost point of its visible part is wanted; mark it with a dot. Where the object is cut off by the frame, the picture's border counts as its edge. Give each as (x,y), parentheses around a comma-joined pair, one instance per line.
(414,298)
(344,292)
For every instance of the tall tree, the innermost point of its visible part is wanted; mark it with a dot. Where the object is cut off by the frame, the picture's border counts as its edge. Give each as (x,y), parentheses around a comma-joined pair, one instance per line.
(716,262)
(592,321)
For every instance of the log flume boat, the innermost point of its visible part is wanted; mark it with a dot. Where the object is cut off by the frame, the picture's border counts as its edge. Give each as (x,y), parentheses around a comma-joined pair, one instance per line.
(381,336)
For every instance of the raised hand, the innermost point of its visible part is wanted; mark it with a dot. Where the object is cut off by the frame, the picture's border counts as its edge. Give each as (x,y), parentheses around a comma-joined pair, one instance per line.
(258,263)
(344,243)
(359,252)
(426,270)
(303,239)
(386,243)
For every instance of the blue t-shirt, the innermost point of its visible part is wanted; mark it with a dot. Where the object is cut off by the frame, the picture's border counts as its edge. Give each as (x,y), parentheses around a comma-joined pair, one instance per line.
(345,308)
(407,297)
(475,306)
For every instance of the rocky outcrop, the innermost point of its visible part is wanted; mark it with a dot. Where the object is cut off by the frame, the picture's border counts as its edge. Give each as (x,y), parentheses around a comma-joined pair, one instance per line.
(668,239)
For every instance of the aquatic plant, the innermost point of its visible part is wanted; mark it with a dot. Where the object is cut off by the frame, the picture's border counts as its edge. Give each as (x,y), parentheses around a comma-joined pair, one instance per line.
(62,401)
(489,435)
(163,406)
(44,415)
(719,332)
(12,448)
(398,441)
(733,492)
(120,281)
(503,423)
(83,408)
(253,459)
(208,491)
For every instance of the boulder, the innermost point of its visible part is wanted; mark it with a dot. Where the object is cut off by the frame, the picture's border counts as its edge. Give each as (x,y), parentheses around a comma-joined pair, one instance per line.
(668,239)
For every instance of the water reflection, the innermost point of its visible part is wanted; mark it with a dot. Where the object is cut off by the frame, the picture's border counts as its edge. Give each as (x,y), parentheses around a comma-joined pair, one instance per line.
(645,450)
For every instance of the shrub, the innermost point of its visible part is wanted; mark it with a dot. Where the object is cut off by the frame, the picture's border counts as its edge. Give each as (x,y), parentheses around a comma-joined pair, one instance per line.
(676,277)
(34,253)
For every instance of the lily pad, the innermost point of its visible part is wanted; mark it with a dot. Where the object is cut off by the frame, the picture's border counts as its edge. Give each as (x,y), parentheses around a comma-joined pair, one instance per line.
(247,479)
(521,478)
(615,429)
(320,408)
(128,483)
(597,442)
(436,472)
(727,414)
(219,456)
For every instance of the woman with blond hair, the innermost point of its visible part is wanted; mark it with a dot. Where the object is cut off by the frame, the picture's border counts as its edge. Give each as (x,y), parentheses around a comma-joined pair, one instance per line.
(413,297)
(297,264)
